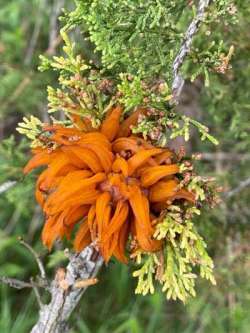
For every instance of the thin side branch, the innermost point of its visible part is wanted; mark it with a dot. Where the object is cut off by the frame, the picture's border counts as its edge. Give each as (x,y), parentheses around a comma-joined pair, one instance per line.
(242,185)
(37,293)
(7,185)
(19,284)
(223,156)
(37,258)
(15,283)
(178,81)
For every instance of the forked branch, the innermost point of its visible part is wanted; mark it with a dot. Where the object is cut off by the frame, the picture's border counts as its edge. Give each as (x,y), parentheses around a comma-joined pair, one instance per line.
(67,289)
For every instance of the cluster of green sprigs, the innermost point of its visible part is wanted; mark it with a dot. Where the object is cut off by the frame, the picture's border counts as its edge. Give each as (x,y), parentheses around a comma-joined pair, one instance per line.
(142,38)
(133,92)
(181,127)
(136,37)
(173,267)
(86,92)
(204,188)
(214,55)
(212,60)
(226,9)
(32,129)
(71,64)
(82,90)
(184,253)
(160,123)
(162,126)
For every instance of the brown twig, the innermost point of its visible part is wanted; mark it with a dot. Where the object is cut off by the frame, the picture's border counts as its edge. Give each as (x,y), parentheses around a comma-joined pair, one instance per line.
(85,283)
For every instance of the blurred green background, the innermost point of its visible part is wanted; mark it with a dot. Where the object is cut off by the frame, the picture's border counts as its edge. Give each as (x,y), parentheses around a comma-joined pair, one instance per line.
(30,28)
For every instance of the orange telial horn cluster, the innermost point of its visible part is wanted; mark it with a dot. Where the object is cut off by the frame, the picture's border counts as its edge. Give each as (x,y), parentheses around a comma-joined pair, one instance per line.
(110,182)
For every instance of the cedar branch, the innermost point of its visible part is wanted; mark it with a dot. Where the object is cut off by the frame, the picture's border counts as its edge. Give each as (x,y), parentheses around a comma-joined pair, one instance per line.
(178,80)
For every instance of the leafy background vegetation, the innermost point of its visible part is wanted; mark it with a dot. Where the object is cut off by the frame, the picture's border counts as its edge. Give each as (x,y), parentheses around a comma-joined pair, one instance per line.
(30,28)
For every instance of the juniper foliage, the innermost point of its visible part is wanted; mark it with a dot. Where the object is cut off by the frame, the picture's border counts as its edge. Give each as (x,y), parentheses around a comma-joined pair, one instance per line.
(83,93)
(225,107)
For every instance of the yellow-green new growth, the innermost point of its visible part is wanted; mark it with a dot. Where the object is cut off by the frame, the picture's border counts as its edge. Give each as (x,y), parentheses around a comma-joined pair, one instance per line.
(31,128)
(185,249)
(145,276)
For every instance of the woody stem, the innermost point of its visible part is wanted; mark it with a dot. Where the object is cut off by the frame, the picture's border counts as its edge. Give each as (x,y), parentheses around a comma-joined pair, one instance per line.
(65,294)
(192,29)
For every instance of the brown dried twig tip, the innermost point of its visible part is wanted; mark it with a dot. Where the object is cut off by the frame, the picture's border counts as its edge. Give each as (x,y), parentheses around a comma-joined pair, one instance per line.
(60,278)
(85,283)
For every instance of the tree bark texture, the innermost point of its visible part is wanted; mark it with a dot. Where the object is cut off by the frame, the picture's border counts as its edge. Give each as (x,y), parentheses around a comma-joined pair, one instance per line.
(65,291)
